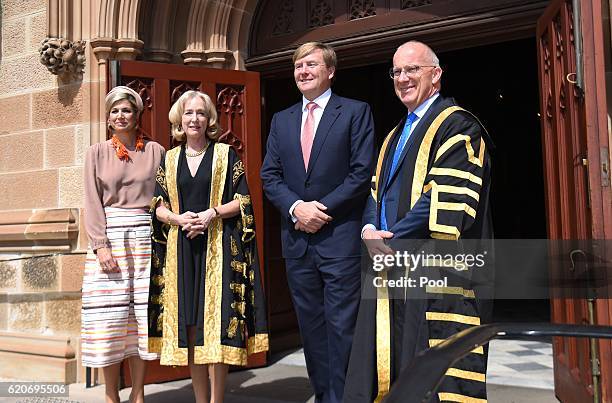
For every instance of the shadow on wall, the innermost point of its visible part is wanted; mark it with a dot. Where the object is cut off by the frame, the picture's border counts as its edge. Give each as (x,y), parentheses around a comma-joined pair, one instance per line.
(68,91)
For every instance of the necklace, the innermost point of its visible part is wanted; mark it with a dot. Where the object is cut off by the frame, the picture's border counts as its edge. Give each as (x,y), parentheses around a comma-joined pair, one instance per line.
(197,153)
(122,152)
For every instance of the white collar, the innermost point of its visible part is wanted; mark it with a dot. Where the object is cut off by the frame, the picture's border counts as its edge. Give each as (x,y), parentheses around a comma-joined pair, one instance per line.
(321,100)
(421,109)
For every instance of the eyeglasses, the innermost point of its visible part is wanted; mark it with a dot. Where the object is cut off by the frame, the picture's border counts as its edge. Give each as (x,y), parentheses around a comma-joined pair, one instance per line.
(411,71)
(307,66)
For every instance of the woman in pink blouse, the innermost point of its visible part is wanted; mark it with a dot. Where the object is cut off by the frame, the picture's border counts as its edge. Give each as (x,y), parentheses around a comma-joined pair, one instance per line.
(119,185)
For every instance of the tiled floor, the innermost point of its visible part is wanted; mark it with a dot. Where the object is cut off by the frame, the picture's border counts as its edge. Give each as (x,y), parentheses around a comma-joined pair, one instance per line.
(520,363)
(527,364)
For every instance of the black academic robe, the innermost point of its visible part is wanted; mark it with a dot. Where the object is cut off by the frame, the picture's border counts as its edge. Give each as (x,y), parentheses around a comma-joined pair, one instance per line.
(444,195)
(234,322)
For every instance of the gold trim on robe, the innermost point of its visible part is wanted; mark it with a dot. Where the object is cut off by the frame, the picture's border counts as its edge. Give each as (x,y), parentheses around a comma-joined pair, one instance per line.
(455,397)
(422,161)
(383,320)
(171,353)
(383,340)
(213,350)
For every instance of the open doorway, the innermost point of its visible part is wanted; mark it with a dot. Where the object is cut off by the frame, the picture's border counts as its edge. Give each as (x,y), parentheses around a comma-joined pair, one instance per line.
(499,84)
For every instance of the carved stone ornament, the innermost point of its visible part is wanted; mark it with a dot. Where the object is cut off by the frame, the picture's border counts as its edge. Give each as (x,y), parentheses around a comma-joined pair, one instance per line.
(63,57)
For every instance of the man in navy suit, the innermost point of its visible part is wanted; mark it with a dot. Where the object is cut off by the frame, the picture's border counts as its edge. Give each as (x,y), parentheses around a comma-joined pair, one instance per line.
(317,172)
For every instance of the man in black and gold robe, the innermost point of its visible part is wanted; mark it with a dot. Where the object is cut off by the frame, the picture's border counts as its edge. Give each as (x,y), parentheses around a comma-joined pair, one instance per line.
(432,182)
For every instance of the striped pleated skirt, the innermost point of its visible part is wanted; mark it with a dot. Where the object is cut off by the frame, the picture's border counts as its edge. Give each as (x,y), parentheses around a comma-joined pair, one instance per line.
(114,313)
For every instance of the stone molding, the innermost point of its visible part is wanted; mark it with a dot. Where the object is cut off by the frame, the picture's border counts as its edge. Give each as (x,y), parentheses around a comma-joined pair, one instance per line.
(120,49)
(215,58)
(207,32)
(38,230)
(44,345)
(42,358)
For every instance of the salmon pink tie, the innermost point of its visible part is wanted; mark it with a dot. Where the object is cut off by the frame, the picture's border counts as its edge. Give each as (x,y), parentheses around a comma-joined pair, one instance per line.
(308,133)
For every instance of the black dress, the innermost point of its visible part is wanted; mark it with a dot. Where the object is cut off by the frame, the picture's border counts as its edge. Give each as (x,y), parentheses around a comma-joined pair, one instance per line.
(194,196)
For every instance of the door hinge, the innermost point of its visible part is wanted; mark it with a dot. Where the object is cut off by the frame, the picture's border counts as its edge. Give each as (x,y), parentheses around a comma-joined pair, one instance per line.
(585,164)
(605,167)
(595,367)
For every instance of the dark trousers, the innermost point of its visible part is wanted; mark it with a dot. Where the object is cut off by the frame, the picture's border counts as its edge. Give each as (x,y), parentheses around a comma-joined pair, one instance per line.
(325,293)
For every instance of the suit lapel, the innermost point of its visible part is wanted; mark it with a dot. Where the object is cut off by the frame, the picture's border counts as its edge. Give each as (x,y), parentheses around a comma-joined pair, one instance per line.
(295,124)
(388,158)
(416,136)
(330,114)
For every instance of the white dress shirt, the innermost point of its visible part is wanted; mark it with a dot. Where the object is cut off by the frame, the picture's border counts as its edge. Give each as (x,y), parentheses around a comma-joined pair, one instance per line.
(321,101)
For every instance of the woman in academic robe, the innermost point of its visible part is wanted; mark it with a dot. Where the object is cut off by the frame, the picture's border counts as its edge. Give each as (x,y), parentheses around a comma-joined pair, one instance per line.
(206,306)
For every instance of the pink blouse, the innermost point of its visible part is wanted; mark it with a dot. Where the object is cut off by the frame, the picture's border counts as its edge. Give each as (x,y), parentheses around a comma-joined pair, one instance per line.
(110,182)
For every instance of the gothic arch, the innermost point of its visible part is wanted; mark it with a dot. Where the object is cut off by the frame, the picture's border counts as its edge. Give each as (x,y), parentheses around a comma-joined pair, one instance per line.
(214,33)
(115,34)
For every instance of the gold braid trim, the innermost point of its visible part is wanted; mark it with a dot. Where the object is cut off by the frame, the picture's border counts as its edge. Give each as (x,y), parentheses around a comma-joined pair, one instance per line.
(239,267)
(422,161)
(451,291)
(455,397)
(460,190)
(248,233)
(258,343)
(155,344)
(433,216)
(239,289)
(160,177)
(232,328)
(171,353)
(213,351)
(237,171)
(154,202)
(457,173)
(233,246)
(379,163)
(383,341)
(478,161)
(453,317)
(469,375)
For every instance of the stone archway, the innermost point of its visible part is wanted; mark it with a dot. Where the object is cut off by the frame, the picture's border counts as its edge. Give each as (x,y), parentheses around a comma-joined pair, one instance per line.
(198,32)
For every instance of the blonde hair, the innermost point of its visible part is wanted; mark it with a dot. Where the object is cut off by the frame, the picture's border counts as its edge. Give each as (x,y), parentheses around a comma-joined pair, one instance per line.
(178,108)
(118,95)
(329,55)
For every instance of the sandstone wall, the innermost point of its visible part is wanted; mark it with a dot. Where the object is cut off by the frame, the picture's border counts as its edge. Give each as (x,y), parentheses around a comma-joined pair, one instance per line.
(44,131)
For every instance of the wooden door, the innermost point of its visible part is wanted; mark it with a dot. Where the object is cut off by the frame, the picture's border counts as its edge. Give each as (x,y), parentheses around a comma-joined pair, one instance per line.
(238,105)
(575,146)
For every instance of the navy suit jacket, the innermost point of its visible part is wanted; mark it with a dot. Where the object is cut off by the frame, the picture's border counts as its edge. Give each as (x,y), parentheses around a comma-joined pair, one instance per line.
(338,175)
